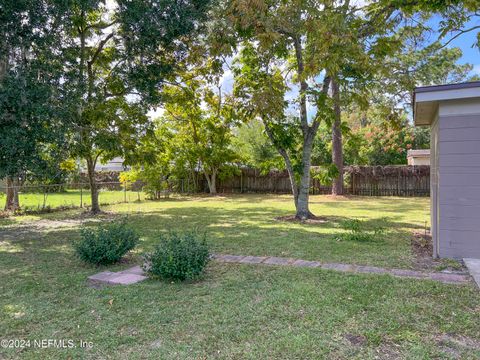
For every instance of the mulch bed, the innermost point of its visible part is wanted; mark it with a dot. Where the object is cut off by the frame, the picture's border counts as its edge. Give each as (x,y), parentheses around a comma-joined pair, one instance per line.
(422,248)
(422,244)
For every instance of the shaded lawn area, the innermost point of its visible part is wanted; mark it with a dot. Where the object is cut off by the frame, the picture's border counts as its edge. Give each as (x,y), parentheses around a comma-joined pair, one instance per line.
(246,225)
(236,311)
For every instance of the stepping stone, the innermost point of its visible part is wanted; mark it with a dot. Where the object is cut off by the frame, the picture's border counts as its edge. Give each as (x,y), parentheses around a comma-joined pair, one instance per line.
(473,266)
(116,278)
(278,261)
(252,259)
(408,273)
(371,270)
(339,267)
(102,277)
(137,270)
(449,278)
(306,263)
(126,279)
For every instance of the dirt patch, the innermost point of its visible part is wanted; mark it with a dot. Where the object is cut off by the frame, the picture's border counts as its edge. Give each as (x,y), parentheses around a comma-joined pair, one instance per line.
(422,249)
(36,227)
(388,351)
(422,244)
(454,345)
(356,340)
(313,220)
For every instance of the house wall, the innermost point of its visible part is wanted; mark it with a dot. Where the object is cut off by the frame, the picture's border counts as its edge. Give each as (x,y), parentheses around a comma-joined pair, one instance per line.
(434,184)
(419,160)
(457,169)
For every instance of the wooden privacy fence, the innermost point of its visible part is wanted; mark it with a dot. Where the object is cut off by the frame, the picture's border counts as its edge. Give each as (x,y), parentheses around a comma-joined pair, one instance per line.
(359,180)
(388,180)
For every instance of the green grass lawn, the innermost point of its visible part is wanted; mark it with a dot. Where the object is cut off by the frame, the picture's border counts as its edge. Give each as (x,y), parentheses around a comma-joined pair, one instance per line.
(73,198)
(236,311)
(245,224)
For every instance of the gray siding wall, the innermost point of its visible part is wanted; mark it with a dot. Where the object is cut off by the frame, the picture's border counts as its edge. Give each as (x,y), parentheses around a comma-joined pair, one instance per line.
(458,208)
(434,184)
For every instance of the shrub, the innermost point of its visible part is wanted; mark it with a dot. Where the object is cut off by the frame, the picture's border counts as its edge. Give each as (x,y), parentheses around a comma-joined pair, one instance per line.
(356,231)
(178,256)
(107,244)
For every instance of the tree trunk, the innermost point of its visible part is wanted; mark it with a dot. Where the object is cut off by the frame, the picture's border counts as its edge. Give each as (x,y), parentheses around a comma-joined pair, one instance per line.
(301,191)
(303,210)
(12,202)
(308,132)
(93,185)
(337,145)
(212,182)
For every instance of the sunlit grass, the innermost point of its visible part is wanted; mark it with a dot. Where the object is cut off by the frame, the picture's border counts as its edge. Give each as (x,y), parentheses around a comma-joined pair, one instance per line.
(72,198)
(235,311)
(246,224)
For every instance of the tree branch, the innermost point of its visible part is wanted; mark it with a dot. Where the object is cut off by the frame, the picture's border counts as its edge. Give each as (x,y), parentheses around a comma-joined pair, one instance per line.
(99,49)
(460,33)
(303,85)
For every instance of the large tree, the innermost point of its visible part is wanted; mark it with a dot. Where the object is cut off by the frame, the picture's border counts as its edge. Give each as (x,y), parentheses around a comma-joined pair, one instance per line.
(202,118)
(313,48)
(116,61)
(31,130)
(419,62)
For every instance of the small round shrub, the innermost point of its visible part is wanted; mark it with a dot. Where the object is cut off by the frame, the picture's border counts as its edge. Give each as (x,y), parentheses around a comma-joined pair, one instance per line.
(178,256)
(106,244)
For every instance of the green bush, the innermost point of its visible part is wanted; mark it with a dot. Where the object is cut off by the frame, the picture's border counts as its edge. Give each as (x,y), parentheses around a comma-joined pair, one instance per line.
(356,231)
(178,256)
(106,244)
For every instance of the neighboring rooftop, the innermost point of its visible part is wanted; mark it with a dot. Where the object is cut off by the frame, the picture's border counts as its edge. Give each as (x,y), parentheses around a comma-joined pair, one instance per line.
(426,98)
(421,152)
(418,157)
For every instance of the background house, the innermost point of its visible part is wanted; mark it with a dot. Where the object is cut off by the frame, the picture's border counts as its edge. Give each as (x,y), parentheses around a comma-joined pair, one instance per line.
(418,157)
(116,164)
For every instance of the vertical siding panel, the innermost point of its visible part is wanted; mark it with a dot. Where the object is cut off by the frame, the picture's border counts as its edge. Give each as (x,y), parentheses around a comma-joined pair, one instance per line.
(457,160)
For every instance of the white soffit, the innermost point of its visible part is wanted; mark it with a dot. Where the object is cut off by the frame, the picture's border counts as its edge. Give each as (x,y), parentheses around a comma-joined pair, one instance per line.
(426,99)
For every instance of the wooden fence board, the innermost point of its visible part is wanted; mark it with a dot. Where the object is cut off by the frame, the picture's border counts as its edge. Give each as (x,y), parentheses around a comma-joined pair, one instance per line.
(360,180)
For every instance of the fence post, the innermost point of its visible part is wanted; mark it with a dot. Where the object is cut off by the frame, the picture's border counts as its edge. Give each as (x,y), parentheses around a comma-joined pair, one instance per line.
(124,191)
(241,181)
(81,196)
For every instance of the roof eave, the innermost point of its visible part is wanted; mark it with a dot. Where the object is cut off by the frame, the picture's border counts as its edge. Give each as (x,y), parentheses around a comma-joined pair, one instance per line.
(427,98)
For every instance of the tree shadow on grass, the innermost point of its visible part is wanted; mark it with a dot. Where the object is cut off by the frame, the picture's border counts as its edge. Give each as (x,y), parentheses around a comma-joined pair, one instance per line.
(243,230)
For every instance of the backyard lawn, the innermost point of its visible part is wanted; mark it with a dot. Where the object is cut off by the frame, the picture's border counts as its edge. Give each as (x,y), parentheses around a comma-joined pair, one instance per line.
(238,311)
(72,198)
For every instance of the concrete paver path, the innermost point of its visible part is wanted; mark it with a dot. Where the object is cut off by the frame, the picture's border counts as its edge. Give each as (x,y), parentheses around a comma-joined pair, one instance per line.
(450,278)
(136,274)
